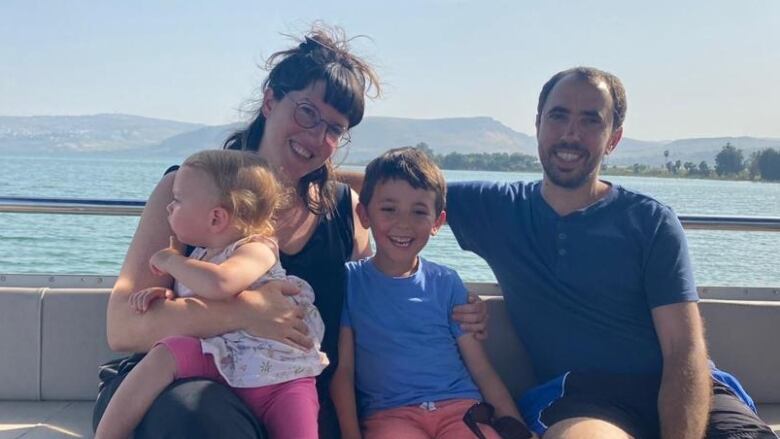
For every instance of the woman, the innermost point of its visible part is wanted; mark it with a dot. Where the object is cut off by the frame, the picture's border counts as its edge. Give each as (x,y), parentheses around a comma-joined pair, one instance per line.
(314,93)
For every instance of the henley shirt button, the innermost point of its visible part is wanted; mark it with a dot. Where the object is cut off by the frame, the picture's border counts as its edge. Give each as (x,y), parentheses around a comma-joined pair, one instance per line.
(562,252)
(561,236)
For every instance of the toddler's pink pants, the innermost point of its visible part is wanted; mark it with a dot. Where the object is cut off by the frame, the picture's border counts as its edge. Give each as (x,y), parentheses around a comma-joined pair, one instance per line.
(287,410)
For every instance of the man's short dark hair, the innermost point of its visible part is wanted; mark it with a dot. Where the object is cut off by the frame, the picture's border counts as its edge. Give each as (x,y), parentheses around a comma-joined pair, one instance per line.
(407,164)
(592,75)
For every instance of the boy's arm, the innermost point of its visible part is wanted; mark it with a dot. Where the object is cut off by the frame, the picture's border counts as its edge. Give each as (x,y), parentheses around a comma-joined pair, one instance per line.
(486,378)
(342,387)
(218,281)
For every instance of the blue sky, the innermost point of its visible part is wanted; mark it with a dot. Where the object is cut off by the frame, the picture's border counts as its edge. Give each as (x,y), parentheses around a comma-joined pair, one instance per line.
(691,68)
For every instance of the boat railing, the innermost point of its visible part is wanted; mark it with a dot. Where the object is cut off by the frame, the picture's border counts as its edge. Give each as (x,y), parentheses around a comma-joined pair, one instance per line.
(71,206)
(116,207)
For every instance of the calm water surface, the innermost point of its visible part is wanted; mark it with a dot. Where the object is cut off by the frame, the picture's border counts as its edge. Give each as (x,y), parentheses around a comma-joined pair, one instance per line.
(67,244)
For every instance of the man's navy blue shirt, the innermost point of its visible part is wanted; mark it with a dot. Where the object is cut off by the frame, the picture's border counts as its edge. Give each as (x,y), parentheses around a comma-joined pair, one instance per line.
(578,288)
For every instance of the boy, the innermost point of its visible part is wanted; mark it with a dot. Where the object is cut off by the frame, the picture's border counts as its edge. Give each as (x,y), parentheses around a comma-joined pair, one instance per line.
(413,368)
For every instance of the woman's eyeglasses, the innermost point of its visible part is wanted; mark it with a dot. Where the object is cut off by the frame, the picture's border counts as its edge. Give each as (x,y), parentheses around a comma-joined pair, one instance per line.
(307,116)
(505,426)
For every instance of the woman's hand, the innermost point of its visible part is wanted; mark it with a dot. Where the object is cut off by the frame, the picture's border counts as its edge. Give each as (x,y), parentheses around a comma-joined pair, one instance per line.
(266,312)
(472,316)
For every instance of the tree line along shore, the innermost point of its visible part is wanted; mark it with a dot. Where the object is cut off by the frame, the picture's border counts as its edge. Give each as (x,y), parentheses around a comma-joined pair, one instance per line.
(730,164)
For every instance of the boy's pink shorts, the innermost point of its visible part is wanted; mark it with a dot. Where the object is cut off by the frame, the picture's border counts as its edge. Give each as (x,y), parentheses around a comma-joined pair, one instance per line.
(415,422)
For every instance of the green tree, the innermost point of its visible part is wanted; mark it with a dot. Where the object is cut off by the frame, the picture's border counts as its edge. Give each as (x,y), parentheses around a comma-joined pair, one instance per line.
(704,169)
(422,146)
(729,161)
(673,168)
(769,164)
(690,168)
(495,161)
(752,165)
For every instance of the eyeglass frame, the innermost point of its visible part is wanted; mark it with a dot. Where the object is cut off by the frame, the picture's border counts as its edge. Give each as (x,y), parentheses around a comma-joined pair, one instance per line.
(342,140)
(503,425)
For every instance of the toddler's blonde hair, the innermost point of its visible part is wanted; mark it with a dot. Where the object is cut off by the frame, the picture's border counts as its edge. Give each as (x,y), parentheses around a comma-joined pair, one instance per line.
(248,189)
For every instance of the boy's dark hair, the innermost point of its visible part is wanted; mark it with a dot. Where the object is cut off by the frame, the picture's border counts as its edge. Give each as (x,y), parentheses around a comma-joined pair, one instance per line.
(407,164)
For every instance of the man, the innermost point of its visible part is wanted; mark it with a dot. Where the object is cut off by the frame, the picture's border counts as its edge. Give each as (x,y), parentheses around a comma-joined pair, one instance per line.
(598,284)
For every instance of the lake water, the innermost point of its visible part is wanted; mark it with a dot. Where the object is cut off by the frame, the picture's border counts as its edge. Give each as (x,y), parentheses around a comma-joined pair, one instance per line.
(75,244)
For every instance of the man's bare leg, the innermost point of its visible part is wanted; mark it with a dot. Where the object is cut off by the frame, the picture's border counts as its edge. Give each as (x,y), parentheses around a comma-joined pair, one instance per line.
(585,428)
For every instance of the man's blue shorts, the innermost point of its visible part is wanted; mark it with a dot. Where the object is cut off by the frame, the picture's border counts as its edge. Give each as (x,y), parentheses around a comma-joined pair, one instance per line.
(630,402)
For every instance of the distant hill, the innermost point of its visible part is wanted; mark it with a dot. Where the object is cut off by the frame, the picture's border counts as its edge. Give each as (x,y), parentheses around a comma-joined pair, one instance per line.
(182,145)
(464,135)
(686,150)
(101,133)
(377,134)
(120,134)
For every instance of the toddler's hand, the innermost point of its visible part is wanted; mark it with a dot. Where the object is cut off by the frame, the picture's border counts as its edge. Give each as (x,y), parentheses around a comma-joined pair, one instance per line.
(158,260)
(141,300)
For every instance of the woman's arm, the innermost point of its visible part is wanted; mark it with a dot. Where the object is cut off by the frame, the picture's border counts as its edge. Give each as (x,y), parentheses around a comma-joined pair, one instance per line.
(342,387)
(266,314)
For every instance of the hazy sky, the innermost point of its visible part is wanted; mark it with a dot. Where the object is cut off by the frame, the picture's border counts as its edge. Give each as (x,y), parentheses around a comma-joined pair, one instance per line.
(695,68)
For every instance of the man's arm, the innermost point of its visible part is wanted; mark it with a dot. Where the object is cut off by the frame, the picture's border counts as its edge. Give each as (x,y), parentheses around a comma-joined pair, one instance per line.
(342,387)
(362,247)
(686,387)
(352,178)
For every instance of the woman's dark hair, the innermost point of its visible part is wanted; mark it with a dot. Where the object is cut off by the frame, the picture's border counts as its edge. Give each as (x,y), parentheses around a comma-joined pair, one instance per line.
(322,55)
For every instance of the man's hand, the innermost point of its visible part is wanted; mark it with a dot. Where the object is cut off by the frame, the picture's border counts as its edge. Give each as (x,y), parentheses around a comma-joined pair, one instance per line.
(267,312)
(159,260)
(472,317)
(140,301)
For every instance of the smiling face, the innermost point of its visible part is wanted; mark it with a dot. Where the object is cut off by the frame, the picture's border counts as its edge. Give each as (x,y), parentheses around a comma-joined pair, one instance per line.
(402,219)
(574,130)
(291,148)
(191,213)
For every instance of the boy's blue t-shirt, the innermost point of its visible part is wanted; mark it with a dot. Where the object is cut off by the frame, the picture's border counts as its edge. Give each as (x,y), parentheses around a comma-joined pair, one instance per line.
(406,350)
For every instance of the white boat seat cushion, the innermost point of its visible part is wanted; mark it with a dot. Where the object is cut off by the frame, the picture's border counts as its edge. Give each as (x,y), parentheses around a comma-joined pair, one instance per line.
(53,340)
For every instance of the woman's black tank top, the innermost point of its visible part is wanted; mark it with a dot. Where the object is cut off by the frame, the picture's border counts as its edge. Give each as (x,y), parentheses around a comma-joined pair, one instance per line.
(321,263)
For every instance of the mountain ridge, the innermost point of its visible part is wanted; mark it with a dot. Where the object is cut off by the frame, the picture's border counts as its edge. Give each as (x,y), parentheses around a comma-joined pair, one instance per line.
(125,134)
